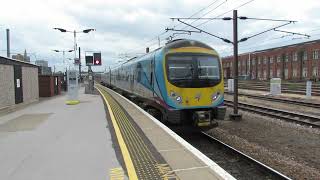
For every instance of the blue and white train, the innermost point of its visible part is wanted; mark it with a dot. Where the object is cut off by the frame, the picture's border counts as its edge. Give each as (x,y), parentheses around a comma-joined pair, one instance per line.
(180,83)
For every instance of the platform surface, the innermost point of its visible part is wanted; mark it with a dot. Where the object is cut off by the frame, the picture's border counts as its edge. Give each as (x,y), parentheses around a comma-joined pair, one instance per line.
(181,160)
(50,140)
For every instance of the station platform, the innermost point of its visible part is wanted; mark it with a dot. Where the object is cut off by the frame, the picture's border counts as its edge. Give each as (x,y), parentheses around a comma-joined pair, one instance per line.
(105,136)
(51,140)
(150,149)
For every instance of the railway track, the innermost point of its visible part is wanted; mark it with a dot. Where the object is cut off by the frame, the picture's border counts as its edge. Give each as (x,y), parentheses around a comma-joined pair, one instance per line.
(273,99)
(299,118)
(291,88)
(314,93)
(238,164)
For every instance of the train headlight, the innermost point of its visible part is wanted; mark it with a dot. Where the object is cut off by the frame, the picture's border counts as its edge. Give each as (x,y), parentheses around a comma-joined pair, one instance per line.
(215,96)
(178,99)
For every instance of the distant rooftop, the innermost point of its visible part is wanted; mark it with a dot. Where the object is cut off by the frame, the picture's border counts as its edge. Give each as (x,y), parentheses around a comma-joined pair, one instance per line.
(279,47)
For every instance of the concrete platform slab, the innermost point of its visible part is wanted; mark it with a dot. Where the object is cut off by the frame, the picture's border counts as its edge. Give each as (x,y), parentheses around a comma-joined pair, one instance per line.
(51,140)
(181,159)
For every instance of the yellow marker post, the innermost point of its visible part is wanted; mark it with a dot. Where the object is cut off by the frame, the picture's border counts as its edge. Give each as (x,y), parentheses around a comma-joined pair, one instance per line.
(124,150)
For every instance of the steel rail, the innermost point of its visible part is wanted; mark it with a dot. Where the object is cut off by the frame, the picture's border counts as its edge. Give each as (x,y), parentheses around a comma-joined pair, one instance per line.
(280,114)
(265,167)
(301,103)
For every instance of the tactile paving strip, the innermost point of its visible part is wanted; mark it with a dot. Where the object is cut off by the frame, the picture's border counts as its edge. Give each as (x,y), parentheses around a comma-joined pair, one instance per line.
(144,162)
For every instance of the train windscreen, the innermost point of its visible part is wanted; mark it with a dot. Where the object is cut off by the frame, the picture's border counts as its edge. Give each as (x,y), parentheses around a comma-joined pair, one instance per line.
(193,70)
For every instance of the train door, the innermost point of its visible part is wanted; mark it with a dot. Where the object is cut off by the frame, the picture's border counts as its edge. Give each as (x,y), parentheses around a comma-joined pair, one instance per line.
(110,76)
(152,74)
(18,84)
(131,79)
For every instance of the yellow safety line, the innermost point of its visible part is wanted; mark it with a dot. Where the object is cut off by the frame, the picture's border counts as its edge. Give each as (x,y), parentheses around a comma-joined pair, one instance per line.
(124,150)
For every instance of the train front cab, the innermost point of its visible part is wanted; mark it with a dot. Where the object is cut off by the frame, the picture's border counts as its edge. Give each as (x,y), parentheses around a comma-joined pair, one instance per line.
(194,85)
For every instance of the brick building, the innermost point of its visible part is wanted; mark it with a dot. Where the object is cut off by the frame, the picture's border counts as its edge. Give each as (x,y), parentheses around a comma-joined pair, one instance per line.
(292,62)
(18,82)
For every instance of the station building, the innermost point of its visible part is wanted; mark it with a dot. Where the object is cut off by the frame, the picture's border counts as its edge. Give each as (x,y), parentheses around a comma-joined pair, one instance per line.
(18,82)
(292,62)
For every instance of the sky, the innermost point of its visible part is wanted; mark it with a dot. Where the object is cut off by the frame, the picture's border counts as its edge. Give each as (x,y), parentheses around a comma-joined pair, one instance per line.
(124,28)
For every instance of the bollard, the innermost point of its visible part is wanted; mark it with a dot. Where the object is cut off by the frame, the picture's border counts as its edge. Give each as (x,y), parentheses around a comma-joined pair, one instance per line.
(275,86)
(308,89)
(230,85)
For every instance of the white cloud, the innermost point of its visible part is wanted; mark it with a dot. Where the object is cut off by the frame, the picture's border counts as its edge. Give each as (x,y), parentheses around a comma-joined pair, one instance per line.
(124,26)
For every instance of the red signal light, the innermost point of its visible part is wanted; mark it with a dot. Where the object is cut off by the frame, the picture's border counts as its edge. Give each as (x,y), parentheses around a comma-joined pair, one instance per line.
(97,62)
(97,59)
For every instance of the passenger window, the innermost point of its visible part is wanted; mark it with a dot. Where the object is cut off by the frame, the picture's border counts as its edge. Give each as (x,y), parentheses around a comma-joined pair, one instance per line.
(139,72)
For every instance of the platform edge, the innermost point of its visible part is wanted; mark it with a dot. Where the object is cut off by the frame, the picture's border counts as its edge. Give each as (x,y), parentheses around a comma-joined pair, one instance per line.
(125,152)
(215,167)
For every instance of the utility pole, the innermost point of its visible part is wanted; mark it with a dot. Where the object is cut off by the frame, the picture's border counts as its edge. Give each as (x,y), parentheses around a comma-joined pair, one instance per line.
(235,115)
(79,64)
(8,43)
(75,44)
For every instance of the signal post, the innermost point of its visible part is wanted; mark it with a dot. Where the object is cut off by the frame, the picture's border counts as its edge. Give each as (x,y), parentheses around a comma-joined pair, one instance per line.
(92,59)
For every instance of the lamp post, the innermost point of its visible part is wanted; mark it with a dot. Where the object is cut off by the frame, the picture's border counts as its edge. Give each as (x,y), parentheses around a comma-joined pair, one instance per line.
(75,42)
(63,53)
(63,57)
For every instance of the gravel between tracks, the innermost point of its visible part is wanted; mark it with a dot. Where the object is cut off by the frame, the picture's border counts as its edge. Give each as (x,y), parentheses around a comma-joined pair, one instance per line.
(280,105)
(291,149)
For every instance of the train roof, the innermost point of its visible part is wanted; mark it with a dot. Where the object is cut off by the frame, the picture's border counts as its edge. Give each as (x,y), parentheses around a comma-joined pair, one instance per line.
(178,43)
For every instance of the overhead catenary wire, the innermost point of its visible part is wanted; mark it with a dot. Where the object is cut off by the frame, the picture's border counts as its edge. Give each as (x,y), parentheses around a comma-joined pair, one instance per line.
(264,44)
(271,41)
(159,35)
(196,19)
(277,38)
(200,31)
(237,7)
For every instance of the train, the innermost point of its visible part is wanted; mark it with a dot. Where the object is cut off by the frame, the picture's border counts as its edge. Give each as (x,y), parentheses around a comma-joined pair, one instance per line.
(180,83)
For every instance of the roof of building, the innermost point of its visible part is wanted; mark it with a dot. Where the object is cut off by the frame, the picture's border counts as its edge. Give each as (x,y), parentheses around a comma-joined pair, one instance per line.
(10,61)
(279,47)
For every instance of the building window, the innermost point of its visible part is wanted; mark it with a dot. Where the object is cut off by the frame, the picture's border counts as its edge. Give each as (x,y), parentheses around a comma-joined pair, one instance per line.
(259,60)
(304,72)
(305,55)
(294,73)
(271,73)
(265,60)
(253,61)
(278,59)
(315,72)
(286,57)
(295,56)
(271,60)
(315,54)
(286,73)
(278,72)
